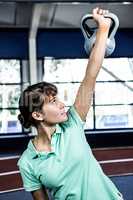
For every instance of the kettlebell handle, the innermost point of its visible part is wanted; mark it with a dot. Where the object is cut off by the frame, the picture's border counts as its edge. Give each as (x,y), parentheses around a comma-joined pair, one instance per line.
(112,16)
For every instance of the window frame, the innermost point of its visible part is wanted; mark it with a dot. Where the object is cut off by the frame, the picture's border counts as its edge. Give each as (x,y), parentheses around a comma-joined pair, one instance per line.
(23,132)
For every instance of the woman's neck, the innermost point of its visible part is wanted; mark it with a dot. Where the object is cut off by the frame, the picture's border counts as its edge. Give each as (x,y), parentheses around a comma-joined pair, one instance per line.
(45,133)
(42,141)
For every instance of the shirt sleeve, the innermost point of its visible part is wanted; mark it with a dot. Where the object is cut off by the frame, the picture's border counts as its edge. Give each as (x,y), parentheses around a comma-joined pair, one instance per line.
(30,182)
(74,118)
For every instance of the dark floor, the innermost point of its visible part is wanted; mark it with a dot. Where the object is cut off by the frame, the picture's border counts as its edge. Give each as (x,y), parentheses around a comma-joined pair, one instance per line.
(19,195)
(124,184)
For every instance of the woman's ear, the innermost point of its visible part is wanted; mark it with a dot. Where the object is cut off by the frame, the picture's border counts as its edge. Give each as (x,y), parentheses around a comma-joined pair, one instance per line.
(38,116)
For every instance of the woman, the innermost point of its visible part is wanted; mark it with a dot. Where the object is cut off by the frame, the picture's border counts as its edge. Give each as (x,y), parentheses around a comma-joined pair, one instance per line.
(59,159)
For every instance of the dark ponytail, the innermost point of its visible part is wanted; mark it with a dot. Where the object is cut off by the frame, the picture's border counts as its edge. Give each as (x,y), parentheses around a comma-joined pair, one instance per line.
(25,124)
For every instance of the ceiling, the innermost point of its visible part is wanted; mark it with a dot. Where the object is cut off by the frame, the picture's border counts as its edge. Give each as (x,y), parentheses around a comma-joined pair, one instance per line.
(59,15)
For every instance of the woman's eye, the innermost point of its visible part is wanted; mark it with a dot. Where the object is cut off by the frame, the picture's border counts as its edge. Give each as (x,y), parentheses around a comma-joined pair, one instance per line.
(54,100)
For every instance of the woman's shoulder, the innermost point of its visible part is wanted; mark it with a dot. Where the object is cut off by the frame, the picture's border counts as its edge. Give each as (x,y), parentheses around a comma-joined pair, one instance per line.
(24,159)
(28,155)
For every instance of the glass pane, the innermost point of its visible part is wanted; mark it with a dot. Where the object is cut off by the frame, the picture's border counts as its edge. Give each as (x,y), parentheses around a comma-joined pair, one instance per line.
(9,71)
(67,92)
(63,70)
(0,98)
(9,122)
(114,93)
(114,117)
(89,120)
(116,69)
(9,96)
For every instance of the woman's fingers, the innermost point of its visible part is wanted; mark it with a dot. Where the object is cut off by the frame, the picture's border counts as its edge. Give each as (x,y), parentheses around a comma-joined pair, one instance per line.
(95,11)
(98,16)
(101,11)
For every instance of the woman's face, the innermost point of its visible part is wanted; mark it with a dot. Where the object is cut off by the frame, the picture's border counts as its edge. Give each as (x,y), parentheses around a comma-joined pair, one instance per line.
(53,110)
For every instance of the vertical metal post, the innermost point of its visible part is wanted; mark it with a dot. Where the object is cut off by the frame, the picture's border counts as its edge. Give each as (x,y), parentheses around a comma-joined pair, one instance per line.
(37,9)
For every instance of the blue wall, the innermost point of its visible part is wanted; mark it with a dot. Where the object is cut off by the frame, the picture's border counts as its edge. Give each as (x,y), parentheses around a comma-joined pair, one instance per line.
(59,43)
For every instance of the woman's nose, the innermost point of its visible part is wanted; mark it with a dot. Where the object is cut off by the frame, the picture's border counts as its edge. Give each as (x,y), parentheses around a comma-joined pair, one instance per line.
(61,105)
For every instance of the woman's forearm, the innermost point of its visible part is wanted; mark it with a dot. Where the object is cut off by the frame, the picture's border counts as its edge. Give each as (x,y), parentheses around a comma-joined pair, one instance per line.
(97,53)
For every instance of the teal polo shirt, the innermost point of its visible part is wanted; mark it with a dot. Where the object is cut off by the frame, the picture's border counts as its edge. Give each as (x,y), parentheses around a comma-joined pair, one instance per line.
(69,171)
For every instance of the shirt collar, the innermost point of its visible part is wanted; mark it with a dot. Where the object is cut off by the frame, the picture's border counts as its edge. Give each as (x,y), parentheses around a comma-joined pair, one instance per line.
(35,154)
(58,129)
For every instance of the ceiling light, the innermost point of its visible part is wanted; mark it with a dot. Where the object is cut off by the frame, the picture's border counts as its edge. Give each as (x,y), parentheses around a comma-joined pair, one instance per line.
(75,3)
(126,2)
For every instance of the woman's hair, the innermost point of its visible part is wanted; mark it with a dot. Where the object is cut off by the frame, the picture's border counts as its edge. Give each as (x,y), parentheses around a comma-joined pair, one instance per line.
(32,99)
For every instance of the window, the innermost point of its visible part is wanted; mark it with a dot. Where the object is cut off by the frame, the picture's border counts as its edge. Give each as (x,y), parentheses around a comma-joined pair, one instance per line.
(112,104)
(10,87)
(114,95)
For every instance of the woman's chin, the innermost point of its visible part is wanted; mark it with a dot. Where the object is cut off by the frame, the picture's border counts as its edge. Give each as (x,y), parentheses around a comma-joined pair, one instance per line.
(64,117)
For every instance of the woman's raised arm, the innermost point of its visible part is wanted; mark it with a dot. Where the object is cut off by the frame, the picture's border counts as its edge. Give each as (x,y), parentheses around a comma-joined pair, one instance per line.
(83,99)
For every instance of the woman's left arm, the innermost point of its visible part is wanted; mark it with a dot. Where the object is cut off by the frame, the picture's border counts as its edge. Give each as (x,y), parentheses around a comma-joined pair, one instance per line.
(84,95)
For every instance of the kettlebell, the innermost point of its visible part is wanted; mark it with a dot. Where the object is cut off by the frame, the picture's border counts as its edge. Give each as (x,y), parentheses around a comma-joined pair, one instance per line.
(90,34)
